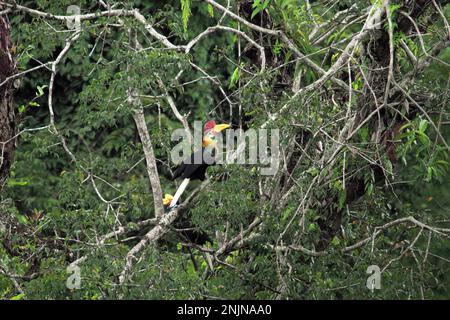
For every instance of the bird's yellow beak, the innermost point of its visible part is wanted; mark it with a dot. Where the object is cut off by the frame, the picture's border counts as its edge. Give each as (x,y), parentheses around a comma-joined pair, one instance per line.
(221,127)
(167,199)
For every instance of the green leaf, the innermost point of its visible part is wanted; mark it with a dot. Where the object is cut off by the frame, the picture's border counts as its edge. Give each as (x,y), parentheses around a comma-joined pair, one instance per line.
(335,241)
(40,92)
(211,10)
(369,189)
(364,134)
(255,12)
(423,125)
(14,183)
(256,3)
(22,218)
(389,167)
(18,297)
(405,126)
(258,7)
(277,47)
(429,173)
(234,78)
(423,138)
(185,12)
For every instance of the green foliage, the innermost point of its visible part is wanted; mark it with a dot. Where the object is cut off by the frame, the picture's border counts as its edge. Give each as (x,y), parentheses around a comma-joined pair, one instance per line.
(186,12)
(61,208)
(259,6)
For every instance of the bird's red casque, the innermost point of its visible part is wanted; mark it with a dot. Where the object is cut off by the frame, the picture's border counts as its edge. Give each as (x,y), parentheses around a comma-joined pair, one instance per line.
(209,126)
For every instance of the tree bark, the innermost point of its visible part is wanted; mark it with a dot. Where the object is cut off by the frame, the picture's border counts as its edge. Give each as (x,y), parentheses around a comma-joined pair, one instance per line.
(7,117)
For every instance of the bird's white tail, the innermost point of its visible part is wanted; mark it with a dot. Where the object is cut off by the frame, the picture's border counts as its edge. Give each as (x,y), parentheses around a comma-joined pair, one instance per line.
(179,192)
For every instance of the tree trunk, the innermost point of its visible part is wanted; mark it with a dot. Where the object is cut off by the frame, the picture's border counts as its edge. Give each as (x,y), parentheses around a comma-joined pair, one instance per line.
(7,119)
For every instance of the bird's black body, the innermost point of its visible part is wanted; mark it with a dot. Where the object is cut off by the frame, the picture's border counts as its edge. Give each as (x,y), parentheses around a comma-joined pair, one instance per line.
(191,170)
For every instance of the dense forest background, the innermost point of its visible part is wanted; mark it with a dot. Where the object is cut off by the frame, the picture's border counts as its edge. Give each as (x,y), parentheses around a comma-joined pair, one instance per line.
(360,94)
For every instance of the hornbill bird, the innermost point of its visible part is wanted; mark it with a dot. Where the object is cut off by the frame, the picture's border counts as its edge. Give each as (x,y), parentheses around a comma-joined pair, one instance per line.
(194,167)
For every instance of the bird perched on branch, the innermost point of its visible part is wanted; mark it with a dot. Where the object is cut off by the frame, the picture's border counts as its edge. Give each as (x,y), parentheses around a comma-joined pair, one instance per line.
(194,167)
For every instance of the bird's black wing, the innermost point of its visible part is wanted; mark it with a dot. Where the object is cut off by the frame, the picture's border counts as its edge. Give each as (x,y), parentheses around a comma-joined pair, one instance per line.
(189,169)
(178,171)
